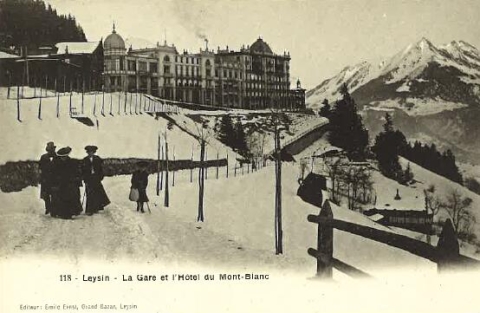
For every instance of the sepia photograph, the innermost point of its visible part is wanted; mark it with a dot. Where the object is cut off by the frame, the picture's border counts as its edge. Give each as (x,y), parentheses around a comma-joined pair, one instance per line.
(165,156)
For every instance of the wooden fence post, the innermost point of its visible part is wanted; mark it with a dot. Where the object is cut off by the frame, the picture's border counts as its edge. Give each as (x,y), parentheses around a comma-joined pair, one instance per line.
(217,166)
(325,244)
(206,165)
(18,104)
(58,104)
(40,107)
(119,102)
(227,164)
(448,249)
(111,103)
(103,102)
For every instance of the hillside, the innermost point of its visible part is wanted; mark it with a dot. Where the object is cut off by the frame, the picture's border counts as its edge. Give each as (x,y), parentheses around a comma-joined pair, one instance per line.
(412,197)
(33,24)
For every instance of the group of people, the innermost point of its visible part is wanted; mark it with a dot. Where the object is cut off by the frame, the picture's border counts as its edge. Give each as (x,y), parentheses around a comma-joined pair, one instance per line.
(61,178)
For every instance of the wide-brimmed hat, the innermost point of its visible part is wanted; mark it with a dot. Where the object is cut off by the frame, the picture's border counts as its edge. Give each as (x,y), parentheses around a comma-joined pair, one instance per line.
(64,151)
(91,148)
(50,146)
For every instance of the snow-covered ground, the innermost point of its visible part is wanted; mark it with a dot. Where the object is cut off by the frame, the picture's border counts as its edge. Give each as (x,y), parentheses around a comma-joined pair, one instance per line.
(118,135)
(237,232)
(254,121)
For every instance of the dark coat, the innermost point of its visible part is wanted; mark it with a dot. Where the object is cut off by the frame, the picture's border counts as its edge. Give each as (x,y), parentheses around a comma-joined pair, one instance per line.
(92,175)
(46,172)
(66,182)
(140,182)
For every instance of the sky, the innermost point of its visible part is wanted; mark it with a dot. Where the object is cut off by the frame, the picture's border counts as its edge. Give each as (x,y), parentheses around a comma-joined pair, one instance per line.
(322,36)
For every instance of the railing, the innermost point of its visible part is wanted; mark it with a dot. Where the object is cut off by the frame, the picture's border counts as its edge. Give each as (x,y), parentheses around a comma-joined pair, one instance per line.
(298,136)
(446,254)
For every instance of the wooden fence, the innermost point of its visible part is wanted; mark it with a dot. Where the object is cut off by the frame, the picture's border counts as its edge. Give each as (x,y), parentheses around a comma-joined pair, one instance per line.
(446,254)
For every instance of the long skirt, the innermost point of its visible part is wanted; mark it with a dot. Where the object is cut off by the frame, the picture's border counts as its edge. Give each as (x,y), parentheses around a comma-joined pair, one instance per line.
(97,198)
(66,201)
(142,195)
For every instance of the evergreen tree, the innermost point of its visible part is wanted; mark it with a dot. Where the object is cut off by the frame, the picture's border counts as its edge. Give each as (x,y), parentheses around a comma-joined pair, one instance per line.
(33,24)
(347,129)
(388,145)
(226,132)
(325,110)
(240,141)
(429,157)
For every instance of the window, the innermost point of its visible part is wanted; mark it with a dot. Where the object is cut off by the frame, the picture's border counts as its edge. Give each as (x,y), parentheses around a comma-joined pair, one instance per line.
(132,66)
(153,67)
(209,72)
(207,63)
(166,58)
(166,69)
(142,66)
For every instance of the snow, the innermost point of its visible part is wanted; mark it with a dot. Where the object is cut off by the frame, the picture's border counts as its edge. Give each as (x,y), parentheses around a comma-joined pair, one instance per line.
(4,55)
(121,135)
(238,229)
(404,88)
(77,47)
(405,66)
(355,76)
(420,106)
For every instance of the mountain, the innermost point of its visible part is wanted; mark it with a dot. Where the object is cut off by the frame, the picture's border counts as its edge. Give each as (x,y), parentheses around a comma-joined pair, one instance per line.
(433,93)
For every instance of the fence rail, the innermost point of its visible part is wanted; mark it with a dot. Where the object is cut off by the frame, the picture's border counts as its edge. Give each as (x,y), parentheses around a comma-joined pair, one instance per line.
(446,254)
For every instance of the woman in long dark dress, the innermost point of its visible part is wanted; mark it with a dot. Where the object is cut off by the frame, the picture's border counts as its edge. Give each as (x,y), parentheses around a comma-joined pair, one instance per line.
(140,182)
(92,174)
(66,182)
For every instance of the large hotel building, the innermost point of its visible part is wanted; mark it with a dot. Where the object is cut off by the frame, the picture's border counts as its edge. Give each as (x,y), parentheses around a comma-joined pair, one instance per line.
(252,78)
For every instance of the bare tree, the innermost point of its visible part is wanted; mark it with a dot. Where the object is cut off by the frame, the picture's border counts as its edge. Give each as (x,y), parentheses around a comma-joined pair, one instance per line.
(303,167)
(457,207)
(433,203)
(203,134)
(256,143)
(335,172)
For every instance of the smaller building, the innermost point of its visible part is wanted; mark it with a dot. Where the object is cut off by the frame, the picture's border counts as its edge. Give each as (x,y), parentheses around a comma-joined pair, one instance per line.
(415,220)
(7,67)
(66,66)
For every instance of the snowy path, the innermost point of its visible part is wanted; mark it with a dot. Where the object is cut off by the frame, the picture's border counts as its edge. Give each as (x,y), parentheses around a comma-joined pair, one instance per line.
(107,235)
(237,233)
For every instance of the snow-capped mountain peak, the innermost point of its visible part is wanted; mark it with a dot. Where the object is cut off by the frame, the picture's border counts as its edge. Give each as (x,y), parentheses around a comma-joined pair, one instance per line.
(410,66)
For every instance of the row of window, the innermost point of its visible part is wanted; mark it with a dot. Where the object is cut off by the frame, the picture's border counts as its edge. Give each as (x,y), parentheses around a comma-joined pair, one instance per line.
(409,220)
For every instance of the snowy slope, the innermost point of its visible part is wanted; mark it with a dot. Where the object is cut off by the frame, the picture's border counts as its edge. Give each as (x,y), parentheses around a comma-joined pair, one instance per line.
(120,135)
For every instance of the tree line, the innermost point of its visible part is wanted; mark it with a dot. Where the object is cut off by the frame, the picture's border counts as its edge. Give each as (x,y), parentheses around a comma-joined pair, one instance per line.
(348,132)
(354,182)
(32,23)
